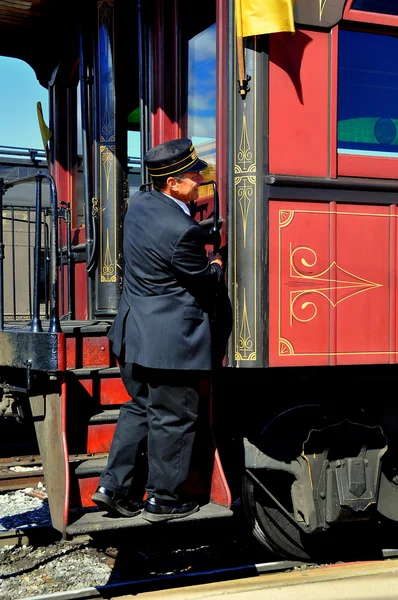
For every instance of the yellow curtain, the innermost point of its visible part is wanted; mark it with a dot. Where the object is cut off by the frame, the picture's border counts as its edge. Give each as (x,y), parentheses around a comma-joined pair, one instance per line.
(264,16)
(46,134)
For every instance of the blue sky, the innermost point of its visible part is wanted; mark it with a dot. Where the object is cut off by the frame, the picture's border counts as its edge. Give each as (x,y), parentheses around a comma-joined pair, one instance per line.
(20,92)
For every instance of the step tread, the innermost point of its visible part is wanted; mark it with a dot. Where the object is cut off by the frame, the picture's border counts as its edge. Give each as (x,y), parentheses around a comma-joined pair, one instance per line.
(67,326)
(89,372)
(92,466)
(106,416)
(98,521)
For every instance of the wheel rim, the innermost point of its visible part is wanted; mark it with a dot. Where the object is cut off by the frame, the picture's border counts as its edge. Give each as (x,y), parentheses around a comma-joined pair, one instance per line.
(269,525)
(270,511)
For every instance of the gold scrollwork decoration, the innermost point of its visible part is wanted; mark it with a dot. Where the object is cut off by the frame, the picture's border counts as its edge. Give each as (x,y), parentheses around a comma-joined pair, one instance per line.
(304,306)
(334,283)
(245,191)
(295,270)
(107,157)
(239,171)
(245,347)
(245,162)
(285,217)
(251,356)
(285,347)
(107,127)
(108,268)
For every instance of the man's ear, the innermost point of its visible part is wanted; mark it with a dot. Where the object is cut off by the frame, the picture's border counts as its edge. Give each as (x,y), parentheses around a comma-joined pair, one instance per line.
(172,182)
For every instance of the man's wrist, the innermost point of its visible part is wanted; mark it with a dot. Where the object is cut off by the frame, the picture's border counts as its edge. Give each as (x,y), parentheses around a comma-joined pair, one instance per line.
(218,261)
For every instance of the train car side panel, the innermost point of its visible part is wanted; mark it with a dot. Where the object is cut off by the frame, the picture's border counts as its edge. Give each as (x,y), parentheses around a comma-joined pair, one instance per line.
(331,294)
(298,115)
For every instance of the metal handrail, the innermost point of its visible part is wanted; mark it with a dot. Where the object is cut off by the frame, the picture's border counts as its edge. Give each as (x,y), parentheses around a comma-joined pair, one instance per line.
(54,325)
(36,324)
(21,151)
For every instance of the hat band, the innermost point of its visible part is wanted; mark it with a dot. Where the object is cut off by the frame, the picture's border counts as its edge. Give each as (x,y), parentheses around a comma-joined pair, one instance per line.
(176,167)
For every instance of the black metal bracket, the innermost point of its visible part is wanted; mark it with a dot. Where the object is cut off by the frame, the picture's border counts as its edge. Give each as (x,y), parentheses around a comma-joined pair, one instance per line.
(214,231)
(92,246)
(64,210)
(243,86)
(13,388)
(34,157)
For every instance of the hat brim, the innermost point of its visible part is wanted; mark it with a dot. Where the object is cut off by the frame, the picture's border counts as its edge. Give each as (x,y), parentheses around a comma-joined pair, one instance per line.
(199,165)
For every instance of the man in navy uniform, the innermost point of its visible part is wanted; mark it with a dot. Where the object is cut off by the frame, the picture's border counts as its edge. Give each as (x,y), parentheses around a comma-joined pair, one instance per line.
(161,336)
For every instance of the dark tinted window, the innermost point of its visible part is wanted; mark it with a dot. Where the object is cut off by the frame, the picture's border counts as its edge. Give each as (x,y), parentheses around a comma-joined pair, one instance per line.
(385,7)
(367,94)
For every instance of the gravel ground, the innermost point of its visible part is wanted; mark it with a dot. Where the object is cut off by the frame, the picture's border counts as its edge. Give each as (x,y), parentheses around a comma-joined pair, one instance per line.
(20,508)
(27,571)
(34,570)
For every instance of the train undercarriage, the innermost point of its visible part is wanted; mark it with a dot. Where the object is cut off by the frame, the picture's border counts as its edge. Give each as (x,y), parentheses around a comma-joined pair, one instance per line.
(319,478)
(316,482)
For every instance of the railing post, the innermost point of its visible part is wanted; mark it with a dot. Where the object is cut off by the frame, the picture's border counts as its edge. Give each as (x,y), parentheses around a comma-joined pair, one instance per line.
(36,323)
(86,76)
(71,310)
(55,326)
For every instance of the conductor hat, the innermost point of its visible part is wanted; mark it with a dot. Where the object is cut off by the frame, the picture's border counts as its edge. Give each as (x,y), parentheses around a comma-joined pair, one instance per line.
(173,158)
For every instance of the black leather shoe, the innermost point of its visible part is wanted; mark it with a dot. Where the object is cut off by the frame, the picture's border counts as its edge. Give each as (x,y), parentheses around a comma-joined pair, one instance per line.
(157,512)
(115,504)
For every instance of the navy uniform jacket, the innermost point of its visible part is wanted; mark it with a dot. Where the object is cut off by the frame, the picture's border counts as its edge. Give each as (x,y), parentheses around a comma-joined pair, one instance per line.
(168,288)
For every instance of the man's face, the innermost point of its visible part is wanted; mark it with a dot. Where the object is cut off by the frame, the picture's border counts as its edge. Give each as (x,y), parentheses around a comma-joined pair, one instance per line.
(187,186)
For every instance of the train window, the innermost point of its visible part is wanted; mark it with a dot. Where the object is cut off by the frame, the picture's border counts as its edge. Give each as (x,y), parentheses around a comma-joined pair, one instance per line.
(385,7)
(202,86)
(367,94)
(200,42)
(202,93)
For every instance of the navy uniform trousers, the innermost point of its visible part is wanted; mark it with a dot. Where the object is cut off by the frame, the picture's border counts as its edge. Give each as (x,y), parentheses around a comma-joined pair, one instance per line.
(163,411)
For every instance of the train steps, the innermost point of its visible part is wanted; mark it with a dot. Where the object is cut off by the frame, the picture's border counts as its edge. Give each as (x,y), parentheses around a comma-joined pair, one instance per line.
(86,518)
(84,481)
(97,521)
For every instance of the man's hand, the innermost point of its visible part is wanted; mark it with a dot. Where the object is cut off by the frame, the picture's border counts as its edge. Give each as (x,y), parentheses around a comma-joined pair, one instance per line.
(215,257)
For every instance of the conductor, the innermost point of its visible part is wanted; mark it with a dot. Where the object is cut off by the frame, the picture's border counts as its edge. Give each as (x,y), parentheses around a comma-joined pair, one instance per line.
(161,336)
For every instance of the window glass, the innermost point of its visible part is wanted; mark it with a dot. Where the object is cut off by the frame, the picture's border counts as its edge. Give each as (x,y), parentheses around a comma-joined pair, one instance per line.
(134,161)
(202,86)
(385,7)
(367,94)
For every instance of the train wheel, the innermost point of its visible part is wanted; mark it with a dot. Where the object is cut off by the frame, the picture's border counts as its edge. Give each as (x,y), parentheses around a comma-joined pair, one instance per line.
(267,499)
(269,525)
(276,531)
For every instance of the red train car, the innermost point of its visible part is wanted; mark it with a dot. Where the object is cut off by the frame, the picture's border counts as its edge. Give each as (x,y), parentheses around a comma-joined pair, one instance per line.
(299,130)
